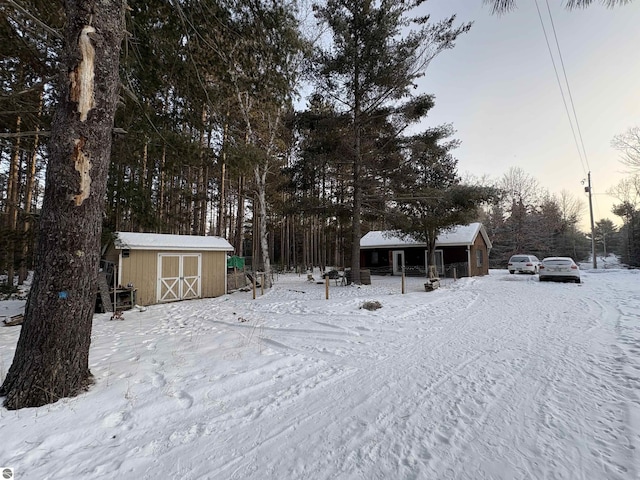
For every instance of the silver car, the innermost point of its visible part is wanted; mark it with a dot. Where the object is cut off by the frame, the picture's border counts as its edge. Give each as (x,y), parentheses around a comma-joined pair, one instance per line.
(563,269)
(523,264)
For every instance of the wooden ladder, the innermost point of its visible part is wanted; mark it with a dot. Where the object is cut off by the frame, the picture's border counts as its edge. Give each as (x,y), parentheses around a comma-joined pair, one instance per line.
(103,291)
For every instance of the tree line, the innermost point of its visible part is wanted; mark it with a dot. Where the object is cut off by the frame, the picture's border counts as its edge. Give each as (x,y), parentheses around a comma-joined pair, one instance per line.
(206,137)
(627,193)
(182,117)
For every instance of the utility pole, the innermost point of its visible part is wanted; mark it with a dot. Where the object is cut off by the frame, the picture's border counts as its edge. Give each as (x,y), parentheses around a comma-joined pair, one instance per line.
(593,237)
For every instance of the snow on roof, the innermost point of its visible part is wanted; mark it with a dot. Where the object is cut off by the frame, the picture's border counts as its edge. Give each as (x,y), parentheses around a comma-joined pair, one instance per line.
(459,235)
(163,241)
(386,238)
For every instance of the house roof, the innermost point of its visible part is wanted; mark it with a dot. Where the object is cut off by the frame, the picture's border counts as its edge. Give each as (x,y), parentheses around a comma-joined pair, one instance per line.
(459,235)
(163,241)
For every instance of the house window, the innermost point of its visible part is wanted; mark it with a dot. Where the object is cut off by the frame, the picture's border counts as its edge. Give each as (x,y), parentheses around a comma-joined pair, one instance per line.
(440,261)
(374,258)
(478,258)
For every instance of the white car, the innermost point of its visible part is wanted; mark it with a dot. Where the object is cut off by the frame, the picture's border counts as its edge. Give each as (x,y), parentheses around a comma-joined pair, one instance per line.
(523,264)
(563,269)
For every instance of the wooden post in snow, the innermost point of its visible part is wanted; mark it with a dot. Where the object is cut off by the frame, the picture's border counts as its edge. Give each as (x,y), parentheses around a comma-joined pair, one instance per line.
(253,284)
(326,287)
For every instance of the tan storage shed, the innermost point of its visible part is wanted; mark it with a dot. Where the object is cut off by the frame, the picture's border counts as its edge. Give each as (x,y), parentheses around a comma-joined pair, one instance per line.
(167,268)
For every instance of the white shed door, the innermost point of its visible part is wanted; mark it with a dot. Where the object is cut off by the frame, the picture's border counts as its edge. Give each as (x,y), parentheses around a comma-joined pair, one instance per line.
(179,276)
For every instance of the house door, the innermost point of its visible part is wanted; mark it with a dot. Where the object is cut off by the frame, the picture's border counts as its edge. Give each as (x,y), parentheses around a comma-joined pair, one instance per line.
(398,261)
(179,276)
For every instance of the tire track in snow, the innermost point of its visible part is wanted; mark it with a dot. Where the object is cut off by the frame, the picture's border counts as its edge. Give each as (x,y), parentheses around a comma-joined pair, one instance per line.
(556,379)
(373,386)
(455,393)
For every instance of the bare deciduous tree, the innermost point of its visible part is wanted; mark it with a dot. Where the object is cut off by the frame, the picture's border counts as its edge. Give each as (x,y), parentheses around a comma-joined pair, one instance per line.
(628,144)
(571,207)
(519,188)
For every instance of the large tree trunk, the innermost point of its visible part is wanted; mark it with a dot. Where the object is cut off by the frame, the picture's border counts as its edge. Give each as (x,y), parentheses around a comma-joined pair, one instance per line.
(51,359)
(261,187)
(356,222)
(356,219)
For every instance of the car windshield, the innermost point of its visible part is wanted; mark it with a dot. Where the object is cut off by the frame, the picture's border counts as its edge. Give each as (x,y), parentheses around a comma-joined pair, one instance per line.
(519,259)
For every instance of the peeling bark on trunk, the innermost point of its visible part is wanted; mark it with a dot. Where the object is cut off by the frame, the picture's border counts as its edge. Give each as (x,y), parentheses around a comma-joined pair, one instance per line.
(51,359)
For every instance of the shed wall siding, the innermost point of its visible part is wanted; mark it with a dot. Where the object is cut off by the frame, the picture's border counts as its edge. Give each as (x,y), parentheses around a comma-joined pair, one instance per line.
(141,269)
(479,244)
(214,272)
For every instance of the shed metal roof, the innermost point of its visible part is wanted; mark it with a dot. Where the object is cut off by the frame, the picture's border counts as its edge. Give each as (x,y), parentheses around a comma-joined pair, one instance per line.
(164,241)
(459,235)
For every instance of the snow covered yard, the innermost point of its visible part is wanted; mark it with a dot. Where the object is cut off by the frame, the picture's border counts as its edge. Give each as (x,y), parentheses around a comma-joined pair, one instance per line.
(498,377)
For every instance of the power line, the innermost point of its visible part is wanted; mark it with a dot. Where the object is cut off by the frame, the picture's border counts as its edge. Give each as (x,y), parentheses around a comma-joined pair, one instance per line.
(564,100)
(575,117)
(564,72)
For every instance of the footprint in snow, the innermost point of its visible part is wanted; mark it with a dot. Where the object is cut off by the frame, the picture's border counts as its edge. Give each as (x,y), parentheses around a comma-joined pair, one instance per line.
(158,380)
(114,419)
(184,399)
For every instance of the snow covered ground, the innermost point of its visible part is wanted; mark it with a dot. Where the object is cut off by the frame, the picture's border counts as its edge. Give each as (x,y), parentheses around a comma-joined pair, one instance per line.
(496,377)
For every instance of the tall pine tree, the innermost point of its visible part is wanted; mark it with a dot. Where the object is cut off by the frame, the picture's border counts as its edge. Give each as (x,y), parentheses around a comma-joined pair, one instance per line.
(377,53)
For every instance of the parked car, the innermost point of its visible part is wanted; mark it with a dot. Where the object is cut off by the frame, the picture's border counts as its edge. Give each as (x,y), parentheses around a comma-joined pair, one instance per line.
(523,264)
(559,268)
